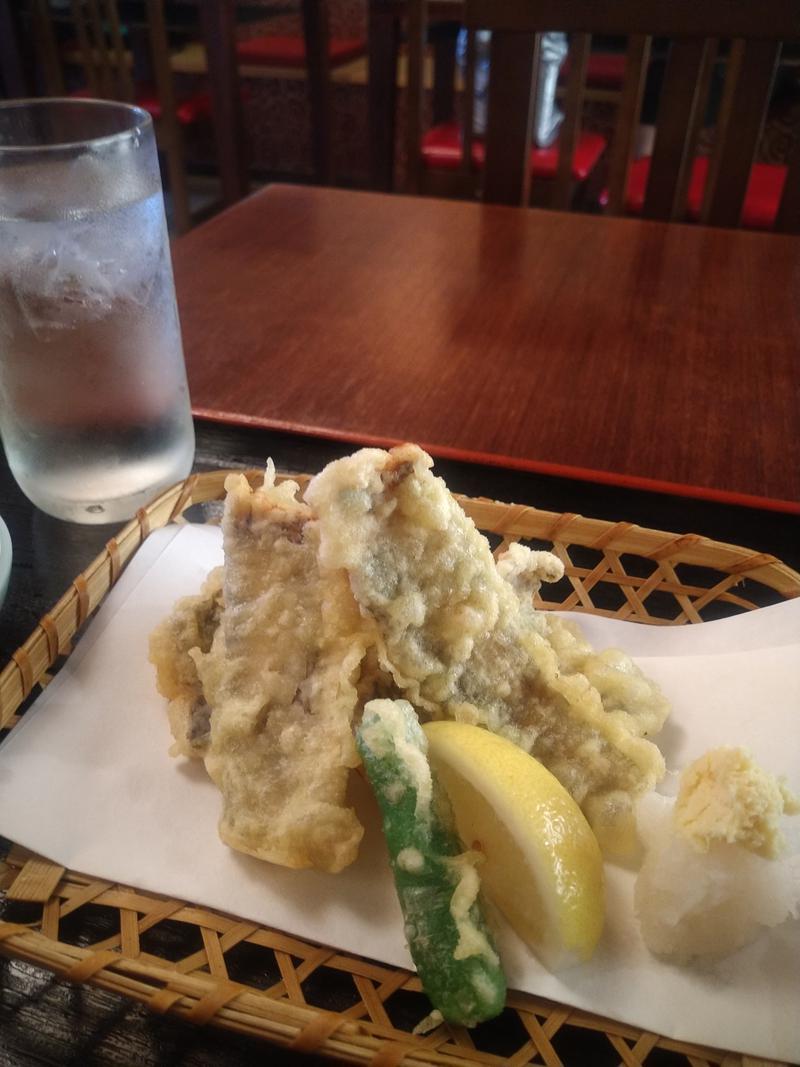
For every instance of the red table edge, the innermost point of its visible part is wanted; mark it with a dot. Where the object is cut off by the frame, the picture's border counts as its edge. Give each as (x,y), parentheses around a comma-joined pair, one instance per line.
(586,474)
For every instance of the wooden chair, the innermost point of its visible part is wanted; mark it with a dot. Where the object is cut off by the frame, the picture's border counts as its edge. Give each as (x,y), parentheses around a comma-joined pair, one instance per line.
(448,159)
(101,49)
(696,29)
(319,53)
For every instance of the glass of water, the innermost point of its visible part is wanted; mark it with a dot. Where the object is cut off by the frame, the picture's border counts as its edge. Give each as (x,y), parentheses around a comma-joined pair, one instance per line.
(94,405)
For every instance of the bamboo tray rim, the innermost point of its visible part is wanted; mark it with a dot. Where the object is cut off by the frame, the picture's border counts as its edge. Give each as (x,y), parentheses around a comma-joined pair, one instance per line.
(198,988)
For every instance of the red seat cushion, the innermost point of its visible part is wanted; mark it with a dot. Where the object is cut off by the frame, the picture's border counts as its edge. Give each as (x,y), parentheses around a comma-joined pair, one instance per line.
(603,70)
(277,51)
(761,201)
(441,150)
(188,110)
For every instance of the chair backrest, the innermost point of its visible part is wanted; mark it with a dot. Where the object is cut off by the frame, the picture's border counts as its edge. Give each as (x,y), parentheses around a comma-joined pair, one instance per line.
(98,43)
(696,28)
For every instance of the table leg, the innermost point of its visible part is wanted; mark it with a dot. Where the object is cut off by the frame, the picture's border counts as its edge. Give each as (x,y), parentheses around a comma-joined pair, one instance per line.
(383,45)
(219,24)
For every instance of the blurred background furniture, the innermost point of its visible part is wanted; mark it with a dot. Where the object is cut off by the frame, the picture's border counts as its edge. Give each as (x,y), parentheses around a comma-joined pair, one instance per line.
(279,42)
(318,53)
(706,83)
(303,116)
(86,49)
(123,49)
(756,35)
(448,157)
(12,74)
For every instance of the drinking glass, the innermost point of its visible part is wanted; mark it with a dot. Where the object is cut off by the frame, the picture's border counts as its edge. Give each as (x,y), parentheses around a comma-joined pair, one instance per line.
(94,404)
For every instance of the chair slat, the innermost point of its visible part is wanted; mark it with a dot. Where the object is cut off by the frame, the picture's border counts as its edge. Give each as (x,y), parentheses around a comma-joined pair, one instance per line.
(468,110)
(47,48)
(750,96)
(415,97)
(443,41)
(788,220)
(100,57)
(724,119)
(159,54)
(508,126)
(316,36)
(630,106)
(695,126)
(168,127)
(579,48)
(86,49)
(680,101)
(122,59)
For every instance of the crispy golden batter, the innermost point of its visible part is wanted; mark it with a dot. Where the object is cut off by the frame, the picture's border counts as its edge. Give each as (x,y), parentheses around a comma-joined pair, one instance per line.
(624,690)
(281,678)
(191,624)
(460,643)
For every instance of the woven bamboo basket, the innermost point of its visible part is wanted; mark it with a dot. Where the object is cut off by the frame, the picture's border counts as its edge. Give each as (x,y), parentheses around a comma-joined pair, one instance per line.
(258,981)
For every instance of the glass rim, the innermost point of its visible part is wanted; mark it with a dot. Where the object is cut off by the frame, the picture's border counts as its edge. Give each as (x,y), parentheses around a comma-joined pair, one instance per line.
(143,122)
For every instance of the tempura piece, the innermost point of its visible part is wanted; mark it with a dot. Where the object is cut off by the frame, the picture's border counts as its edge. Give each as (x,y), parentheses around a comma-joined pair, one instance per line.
(624,690)
(281,678)
(525,570)
(711,879)
(459,642)
(192,624)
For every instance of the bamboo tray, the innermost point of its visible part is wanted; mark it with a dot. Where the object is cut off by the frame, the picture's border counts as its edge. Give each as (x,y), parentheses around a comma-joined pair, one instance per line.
(207,967)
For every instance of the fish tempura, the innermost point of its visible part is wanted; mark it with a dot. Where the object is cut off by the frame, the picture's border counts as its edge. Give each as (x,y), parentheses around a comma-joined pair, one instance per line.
(460,643)
(281,679)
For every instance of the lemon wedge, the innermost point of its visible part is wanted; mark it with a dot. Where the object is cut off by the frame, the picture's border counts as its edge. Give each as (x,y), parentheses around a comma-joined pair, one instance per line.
(543,866)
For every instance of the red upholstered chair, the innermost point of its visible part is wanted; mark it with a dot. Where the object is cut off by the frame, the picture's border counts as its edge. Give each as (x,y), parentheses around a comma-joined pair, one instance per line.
(761,201)
(748,36)
(318,53)
(275,50)
(604,70)
(726,188)
(188,109)
(441,150)
(448,159)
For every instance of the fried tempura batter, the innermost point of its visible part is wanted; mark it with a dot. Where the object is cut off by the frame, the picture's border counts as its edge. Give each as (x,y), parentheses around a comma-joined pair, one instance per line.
(460,643)
(192,624)
(624,690)
(280,677)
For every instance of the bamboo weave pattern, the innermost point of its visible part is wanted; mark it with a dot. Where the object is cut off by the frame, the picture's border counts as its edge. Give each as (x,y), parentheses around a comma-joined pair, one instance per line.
(207,967)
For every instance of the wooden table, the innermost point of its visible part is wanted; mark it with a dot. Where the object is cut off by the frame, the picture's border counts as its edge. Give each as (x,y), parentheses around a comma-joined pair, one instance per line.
(625,352)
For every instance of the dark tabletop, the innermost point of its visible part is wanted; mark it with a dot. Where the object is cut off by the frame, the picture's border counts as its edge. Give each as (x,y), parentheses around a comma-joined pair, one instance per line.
(47,1021)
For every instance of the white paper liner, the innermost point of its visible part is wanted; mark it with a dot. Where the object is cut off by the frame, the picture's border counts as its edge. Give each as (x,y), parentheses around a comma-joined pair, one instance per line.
(94,750)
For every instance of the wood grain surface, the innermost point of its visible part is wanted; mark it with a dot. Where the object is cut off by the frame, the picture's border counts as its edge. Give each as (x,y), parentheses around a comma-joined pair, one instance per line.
(636,353)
